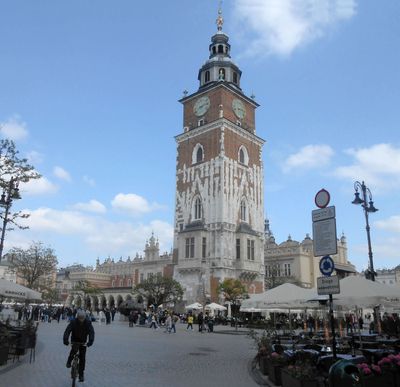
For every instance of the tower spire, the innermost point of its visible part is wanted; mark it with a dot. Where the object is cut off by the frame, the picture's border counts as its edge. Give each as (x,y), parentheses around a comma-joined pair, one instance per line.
(220,19)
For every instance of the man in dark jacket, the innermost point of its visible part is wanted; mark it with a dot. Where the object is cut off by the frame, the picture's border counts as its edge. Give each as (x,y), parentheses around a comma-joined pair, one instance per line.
(79,329)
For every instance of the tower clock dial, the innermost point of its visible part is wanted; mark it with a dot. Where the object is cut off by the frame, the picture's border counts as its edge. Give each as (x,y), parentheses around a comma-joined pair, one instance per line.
(238,108)
(201,106)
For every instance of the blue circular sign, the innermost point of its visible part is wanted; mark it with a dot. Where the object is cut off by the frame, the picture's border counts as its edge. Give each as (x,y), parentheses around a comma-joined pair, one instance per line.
(326,265)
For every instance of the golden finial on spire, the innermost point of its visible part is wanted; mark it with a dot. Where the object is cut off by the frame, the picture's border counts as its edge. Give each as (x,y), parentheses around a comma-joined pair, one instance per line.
(220,19)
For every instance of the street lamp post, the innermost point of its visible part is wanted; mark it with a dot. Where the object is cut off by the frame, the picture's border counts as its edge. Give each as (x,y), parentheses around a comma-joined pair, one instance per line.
(10,193)
(368,205)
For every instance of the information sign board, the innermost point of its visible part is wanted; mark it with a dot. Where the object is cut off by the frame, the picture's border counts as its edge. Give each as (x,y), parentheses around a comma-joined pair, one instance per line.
(328,285)
(324,237)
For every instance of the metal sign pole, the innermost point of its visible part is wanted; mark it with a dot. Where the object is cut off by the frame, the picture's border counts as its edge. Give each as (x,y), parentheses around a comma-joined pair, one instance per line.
(332,318)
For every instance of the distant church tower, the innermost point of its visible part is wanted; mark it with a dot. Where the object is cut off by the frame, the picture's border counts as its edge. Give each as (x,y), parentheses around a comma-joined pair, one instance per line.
(219,213)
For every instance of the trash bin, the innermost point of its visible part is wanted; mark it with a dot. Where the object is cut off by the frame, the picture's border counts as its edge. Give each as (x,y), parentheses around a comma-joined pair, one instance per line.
(344,373)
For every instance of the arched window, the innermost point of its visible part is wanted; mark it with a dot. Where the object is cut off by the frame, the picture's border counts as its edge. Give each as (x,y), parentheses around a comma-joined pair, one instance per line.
(198,154)
(121,283)
(243,156)
(198,209)
(243,211)
(207,76)
(220,49)
(235,77)
(129,282)
(214,50)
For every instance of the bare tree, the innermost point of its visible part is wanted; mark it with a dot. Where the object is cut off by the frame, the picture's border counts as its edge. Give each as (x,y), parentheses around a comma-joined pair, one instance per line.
(33,263)
(13,171)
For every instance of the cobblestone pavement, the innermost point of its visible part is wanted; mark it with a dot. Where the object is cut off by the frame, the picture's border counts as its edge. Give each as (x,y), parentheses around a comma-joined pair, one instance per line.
(123,356)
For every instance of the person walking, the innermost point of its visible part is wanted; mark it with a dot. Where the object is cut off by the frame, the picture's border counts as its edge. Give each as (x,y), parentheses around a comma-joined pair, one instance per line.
(81,331)
(153,323)
(189,322)
(174,320)
(200,320)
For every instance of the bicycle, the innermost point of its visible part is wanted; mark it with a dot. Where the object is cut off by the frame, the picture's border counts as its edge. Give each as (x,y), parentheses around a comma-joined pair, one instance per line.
(75,361)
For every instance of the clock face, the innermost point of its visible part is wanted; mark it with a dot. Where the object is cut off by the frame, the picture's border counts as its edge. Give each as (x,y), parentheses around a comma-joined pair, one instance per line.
(201,106)
(238,108)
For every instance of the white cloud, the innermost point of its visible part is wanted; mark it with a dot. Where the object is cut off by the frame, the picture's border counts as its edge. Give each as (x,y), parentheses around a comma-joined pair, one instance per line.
(61,173)
(14,129)
(133,204)
(309,157)
(391,224)
(89,181)
(281,26)
(91,206)
(40,186)
(103,237)
(34,157)
(378,165)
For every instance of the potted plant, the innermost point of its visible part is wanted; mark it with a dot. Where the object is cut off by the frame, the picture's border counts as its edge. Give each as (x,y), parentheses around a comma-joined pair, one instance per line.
(372,376)
(275,364)
(264,349)
(391,365)
(303,373)
(4,344)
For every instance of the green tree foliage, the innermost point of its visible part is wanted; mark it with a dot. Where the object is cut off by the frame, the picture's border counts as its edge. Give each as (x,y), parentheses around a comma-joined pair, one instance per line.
(86,288)
(233,290)
(158,290)
(50,295)
(33,263)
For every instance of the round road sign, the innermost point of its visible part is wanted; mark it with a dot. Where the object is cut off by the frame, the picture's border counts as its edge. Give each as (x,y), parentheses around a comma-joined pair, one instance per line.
(326,265)
(322,198)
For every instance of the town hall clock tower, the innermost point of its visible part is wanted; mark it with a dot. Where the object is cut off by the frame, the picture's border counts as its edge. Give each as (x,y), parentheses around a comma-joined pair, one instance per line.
(219,207)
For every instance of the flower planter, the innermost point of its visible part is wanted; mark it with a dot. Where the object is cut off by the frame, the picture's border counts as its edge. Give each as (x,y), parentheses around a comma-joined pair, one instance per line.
(263,363)
(384,380)
(289,380)
(275,373)
(3,354)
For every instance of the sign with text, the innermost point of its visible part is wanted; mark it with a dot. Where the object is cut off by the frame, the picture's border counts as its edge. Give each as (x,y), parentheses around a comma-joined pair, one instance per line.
(323,213)
(328,285)
(324,237)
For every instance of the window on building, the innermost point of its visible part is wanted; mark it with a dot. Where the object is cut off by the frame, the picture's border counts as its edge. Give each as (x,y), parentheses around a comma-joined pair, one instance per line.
(250,250)
(113,284)
(198,210)
(235,77)
(243,156)
(181,227)
(207,76)
(189,251)
(121,283)
(141,277)
(214,50)
(204,248)
(243,211)
(129,282)
(238,248)
(199,155)
(220,49)
(221,74)
(287,269)
(149,275)
(200,122)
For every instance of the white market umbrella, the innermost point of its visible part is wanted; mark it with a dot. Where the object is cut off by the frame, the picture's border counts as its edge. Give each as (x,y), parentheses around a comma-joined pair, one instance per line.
(359,291)
(214,306)
(195,306)
(17,292)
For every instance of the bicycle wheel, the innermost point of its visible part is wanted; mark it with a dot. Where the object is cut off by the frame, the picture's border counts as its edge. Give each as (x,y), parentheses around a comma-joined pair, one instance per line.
(74,371)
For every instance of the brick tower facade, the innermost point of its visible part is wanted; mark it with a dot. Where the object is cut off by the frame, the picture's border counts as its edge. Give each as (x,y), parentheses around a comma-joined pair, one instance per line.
(219,208)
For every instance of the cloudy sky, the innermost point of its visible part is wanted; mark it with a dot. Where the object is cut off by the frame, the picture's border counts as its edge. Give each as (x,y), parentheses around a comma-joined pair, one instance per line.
(89,94)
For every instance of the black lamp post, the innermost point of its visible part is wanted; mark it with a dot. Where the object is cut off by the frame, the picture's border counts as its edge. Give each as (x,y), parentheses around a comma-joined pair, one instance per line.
(10,193)
(368,205)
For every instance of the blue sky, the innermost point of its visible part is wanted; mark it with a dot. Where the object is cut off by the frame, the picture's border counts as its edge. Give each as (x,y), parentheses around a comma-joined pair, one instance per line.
(89,93)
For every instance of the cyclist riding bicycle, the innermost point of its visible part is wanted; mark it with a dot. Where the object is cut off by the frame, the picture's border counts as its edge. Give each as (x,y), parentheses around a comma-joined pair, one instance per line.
(79,329)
